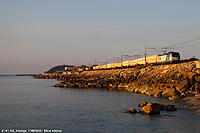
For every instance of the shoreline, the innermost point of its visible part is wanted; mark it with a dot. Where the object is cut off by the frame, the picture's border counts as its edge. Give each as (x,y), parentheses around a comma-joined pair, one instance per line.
(171,81)
(24,75)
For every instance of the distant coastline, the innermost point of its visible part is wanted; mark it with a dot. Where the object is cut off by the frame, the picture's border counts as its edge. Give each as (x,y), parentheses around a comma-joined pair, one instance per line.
(7,75)
(17,74)
(24,75)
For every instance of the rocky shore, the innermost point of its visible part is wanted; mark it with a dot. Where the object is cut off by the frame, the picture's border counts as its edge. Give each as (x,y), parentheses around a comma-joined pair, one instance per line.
(172,81)
(152,108)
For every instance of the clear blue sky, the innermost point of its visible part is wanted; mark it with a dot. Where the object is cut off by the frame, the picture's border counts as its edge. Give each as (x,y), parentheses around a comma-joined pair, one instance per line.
(36,35)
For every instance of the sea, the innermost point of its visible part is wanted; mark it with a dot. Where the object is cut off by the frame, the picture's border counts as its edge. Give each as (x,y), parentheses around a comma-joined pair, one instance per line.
(33,105)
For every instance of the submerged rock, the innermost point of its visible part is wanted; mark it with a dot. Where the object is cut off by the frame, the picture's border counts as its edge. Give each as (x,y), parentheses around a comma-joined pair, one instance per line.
(151,108)
(169,108)
(132,111)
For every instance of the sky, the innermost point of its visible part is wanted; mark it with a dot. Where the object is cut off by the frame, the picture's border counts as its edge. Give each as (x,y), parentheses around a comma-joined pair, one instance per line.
(36,35)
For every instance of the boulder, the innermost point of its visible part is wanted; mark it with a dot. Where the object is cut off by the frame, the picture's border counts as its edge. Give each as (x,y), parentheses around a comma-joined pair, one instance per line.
(132,111)
(168,91)
(169,108)
(174,97)
(197,88)
(197,64)
(197,78)
(191,75)
(99,85)
(91,84)
(153,91)
(197,96)
(127,76)
(183,86)
(142,104)
(157,93)
(73,85)
(151,108)
(56,85)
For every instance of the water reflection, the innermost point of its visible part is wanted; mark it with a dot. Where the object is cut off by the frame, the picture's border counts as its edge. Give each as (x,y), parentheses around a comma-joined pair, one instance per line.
(27,103)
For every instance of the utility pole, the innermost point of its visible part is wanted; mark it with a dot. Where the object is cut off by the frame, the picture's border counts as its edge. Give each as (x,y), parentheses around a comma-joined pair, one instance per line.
(121,61)
(73,66)
(106,63)
(113,61)
(145,55)
(173,47)
(199,32)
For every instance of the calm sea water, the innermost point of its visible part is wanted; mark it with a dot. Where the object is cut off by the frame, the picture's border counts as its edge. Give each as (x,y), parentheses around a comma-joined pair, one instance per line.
(27,103)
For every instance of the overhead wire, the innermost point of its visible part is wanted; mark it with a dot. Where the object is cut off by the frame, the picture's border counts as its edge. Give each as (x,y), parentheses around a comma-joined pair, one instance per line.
(153,50)
(188,43)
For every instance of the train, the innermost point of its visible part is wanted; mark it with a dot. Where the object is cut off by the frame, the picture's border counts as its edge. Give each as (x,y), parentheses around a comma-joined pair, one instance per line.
(153,59)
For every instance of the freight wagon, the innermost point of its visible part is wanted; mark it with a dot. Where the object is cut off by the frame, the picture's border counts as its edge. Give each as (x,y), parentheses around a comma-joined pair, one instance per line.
(154,59)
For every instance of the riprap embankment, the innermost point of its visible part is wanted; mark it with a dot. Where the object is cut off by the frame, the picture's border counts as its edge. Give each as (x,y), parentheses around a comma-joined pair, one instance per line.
(173,81)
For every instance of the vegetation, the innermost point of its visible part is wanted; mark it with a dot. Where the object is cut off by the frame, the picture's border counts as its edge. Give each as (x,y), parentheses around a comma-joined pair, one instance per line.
(58,68)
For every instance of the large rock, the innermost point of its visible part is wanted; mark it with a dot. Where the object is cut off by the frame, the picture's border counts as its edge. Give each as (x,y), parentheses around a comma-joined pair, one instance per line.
(197,88)
(197,96)
(92,84)
(141,88)
(197,64)
(132,111)
(133,86)
(127,76)
(197,78)
(153,91)
(191,75)
(183,86)
(151,108)
(142,104)
(168,92)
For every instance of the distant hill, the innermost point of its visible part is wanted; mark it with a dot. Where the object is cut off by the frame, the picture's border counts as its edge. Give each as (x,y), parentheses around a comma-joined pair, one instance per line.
(57,68)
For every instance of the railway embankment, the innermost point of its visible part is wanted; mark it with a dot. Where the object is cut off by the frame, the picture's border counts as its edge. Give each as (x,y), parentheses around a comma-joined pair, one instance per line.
(172,81)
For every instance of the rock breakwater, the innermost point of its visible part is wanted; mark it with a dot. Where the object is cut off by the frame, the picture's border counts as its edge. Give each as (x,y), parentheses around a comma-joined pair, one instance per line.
(172,81)
(169,81)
